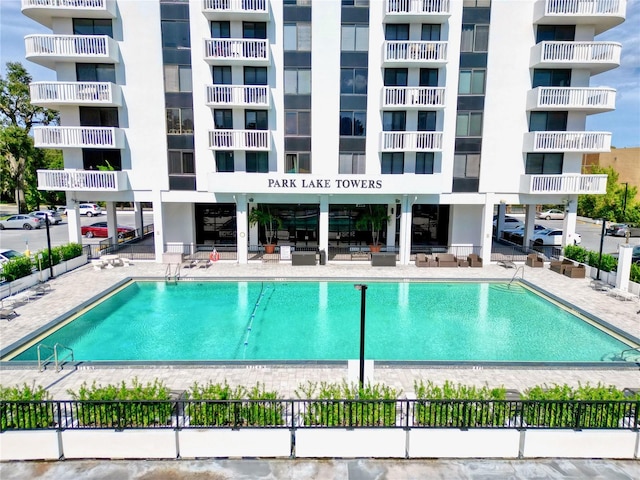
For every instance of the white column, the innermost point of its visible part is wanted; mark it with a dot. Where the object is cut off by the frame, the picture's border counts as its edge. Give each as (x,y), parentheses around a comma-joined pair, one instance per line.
(406,216)
(529,222)
(241,228)
(138,220)
(569,224)
(73,222)
(112,222)
(391,226)
(625,257)
(502,209)
(158,226)
(323,224)
(487,230)
(253,229)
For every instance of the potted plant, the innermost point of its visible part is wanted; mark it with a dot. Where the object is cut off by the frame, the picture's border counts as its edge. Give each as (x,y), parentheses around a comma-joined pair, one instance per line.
(262,216)
(374,219)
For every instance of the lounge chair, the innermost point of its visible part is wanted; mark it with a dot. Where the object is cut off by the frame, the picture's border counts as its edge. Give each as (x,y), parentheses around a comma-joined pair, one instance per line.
(474,260)
(7,314)
(535,261)
(204,263)
(40,289)
(446,260)
(190,264)
(600,285)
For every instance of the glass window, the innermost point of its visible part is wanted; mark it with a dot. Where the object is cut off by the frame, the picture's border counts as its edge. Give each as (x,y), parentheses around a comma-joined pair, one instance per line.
(352,163)
(469,124)
(475,38)
(220,30)
(428,77)
(177,78)
(221,75)
(297,122)
(430,33)
(396,31)
(544,163)
(224,161)
(223,119)
(426,121)
(543,77)
(466,165)
(181,162)
(99,116)
(256,120)
(257,162)
(255,75)
(92,26)
(355,38)
(353,123)
(297,82)
(548,121)
(95,72)
(297,37)
(298,162)
(392,163)
(256,30)
(471,82)
(555,33)
(424,163)
(353,81)
(175,34)
(395,77)
(393,121)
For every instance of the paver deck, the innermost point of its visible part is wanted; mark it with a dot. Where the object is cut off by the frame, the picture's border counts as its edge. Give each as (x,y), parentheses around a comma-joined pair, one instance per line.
(74,288)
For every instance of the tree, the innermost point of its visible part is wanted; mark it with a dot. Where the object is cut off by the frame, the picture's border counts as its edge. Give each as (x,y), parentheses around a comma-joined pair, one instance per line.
(262,216)
(19,159)
(374,220)
(611,205)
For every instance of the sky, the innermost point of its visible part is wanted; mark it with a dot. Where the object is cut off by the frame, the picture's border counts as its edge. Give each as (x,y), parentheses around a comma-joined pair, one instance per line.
(624,122)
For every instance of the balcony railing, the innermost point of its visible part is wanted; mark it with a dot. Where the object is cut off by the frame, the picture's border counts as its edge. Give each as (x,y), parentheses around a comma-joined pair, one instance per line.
(240,140)
(78,137)
(591,100)
(603,14)
(49,49)
(417,8)
(418,52)
(567,183)
(581,142)
(236,9)
(43,11)
(238,95)
(75,93)
(404,97)
(236,50)
(63,180)
(411,141)
(596,57)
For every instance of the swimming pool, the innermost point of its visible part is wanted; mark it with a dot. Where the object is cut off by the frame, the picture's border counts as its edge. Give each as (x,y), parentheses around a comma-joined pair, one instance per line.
(299,320)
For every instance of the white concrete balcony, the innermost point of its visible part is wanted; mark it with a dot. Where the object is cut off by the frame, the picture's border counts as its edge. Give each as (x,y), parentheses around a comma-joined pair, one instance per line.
(43,11)
(597,57)
(407,11)
(584,99)
(47,50)
(57,94)
(418,53)
(240,140)
(257,10)
(236,51)
(578,142)
(602,14)
(572,184)
(83,180)
(412,97)
(238,95)
(411,141)
(78,137)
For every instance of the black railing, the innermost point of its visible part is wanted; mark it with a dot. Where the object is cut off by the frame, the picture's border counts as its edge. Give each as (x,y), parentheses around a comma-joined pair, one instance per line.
(457,414)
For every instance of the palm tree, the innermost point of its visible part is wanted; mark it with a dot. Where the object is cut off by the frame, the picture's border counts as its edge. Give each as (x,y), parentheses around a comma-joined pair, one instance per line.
(262,216)
(374,219)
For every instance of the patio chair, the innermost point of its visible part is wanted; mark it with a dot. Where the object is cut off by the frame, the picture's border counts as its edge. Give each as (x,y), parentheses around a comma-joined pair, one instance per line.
(424,260)
(535,261)
(559,266)
(446,260)
(474,260)
(7,314)
(576,271)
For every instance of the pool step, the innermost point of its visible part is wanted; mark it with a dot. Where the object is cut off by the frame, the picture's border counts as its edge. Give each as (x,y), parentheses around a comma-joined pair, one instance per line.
(509,287)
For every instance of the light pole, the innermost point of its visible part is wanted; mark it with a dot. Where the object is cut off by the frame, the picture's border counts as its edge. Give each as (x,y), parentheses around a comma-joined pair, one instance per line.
(624,202)
(604,223)
(363,304)
(46,220)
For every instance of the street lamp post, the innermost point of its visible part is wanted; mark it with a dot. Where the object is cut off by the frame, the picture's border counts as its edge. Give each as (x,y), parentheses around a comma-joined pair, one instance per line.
(624,201)
(604,224)
(46,222)
(363,305)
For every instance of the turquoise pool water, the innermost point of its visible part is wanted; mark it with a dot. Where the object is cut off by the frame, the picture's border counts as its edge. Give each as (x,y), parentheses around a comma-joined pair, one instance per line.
(321,321)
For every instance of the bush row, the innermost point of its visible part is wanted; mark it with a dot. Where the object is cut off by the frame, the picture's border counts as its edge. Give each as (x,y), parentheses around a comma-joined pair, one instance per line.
(23,266)
(607,264)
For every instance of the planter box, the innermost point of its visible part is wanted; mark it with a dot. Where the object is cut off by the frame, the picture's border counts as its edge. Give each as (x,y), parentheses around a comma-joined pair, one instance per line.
(452,443)
(29,445)
(580,444)
(245,442)
(134,443)
(357,443)
(69,265)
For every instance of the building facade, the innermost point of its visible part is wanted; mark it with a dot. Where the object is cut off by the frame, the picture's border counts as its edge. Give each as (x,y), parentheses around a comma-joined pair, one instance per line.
(435,111)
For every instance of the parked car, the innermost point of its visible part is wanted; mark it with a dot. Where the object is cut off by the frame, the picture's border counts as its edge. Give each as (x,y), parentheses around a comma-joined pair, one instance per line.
(516,234)
(553,236)
(635,255)
(7,254)
(621,230)
(551,214)
(509,222)
(61,210)
(99,229)
(90,209)
(54,217)
(22,220)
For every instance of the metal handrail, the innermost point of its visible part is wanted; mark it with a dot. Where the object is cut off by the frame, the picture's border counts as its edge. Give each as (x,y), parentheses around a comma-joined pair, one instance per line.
(57,358)
(42,363)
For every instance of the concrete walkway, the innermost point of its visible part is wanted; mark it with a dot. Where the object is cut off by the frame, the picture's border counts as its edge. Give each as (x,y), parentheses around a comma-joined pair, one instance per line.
(74,288)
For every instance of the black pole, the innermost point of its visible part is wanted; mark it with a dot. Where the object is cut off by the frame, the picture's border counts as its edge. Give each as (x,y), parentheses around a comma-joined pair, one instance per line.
(604,223)
(363,305)
(46,222)
(624,202)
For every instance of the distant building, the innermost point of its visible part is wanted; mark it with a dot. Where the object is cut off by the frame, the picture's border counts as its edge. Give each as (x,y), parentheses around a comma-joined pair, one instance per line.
(625,161)
(439,110)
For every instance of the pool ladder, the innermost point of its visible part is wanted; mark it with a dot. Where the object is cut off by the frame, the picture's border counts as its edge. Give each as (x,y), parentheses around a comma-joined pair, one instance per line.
(55,355)
(521,267)
(176,275)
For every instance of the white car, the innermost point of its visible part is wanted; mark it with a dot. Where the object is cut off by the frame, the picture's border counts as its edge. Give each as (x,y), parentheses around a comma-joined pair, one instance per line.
(89,209)
(54,217)
(553,236)
(7,254)
(552,214)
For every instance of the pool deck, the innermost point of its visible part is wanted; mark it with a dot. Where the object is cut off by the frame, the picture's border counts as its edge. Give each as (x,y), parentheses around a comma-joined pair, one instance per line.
(74,288)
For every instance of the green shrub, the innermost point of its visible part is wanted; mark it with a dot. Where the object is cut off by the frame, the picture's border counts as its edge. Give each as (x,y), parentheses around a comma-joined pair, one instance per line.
(68,251)
(447,407)
(128,406)
(220,405)
(43,263)
(576,252)
(16,268)
(635,273)
(28,415)
(335,404)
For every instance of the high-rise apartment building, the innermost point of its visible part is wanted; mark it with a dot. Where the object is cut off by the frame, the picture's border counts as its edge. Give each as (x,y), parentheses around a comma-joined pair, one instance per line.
(435,111)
